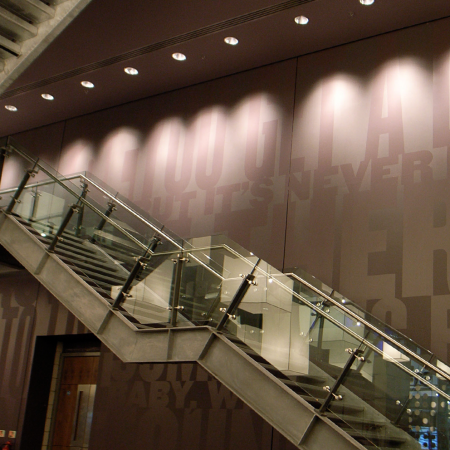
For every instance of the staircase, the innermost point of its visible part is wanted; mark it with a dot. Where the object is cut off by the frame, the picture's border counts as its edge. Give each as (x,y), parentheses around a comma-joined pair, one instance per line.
(312,364)
(26,28)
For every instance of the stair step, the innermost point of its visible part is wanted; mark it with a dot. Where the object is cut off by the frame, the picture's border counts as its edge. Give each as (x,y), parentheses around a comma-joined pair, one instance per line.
(355,420)
(337,407)
(93,282)
(35,11)
(15,28)
(77,256)
(73,246)
(374,437)
(107,270)
(305,378)
(112,280)
(8,48)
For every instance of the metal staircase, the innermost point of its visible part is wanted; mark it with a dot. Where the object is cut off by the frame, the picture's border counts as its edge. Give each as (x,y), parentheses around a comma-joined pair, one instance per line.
(312,364)
(26,28)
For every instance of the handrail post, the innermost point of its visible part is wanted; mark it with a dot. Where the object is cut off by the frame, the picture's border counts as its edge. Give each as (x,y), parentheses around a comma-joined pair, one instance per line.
(175,298)
(78,226)
(108,212)
(141,264)
(354,354)
(29,173)
(247,281)
(73,209)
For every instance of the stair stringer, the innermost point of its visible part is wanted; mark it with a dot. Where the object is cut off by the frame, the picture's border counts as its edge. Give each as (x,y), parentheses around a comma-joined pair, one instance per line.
(287,412)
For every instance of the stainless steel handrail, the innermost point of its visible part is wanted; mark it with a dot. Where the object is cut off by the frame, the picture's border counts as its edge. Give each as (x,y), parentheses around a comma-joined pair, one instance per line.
(133,212)
(362,340)
(372,327)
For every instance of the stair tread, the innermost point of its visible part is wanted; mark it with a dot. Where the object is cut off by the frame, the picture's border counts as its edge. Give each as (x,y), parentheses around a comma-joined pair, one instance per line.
(118,280)
(355,419)
(103,270)
(34,10)
(374,435)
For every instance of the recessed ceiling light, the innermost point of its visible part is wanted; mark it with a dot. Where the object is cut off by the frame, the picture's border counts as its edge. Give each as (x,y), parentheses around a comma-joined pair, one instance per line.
(47,97)
(87,84)
(301,20)
(11,108)
(231,41)
(179,56)
(366,2)
(131,71)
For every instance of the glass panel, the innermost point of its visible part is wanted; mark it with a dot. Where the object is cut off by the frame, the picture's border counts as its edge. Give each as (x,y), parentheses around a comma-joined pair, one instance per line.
(209,281)
(129,216)
(301,288)
(151,291)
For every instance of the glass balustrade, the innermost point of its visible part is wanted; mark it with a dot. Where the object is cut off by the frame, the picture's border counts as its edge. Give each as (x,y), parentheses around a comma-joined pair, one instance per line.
(372,381)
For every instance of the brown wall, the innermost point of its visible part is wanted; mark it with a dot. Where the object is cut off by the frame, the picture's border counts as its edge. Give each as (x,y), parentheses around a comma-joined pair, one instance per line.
(162,406)
(27,311)
(173,406)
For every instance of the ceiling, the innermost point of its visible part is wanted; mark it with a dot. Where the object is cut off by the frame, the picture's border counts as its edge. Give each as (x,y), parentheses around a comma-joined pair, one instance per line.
(110,35)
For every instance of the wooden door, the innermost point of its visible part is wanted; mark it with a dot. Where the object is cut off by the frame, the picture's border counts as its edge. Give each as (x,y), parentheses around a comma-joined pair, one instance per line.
(73,417)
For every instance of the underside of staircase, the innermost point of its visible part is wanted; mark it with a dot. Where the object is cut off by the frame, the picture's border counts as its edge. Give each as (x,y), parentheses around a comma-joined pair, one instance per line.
(289,412)
(26,28)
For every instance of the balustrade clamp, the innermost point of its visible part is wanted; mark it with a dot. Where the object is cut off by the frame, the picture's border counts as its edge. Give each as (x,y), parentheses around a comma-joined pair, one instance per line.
(354,354)
(15,199)
(336,397)
(231,316)
(247,281)
(75,208)
(141,264)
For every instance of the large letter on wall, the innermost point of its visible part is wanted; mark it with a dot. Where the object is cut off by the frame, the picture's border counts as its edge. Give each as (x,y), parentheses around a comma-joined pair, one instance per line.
(426,230)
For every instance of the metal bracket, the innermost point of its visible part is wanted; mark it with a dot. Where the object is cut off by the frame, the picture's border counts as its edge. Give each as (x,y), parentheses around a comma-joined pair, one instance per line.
(356,354)
(250,280)
(336,397)
(178,260)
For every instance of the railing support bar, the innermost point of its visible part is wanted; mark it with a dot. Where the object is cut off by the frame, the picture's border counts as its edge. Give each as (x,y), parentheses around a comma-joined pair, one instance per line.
(141,263)
(248,280)
(29,173)
(73,209)
(175,299)
(79,224)
(108,212)
(354,354)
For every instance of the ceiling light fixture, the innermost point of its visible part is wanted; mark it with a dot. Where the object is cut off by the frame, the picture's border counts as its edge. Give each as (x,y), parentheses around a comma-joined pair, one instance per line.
(47,97)
(231,40)
(366,2)
(301,20)
(11,108)
(87,84)
(131,71)
(179,56)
